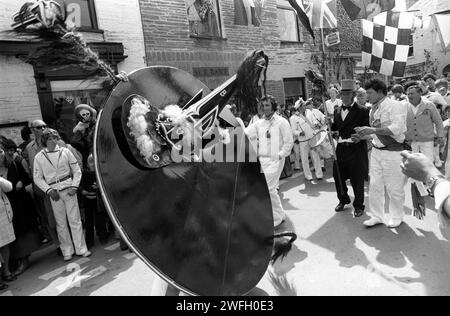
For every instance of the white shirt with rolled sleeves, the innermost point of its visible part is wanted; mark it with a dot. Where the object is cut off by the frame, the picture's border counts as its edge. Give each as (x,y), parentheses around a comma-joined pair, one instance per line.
(274,141)
(386,176)
(391,114)
(49,170)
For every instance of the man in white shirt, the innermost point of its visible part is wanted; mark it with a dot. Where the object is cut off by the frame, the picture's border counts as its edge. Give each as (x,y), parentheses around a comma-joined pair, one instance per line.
(272,136)
(305,124)
(388,128)
(295,121)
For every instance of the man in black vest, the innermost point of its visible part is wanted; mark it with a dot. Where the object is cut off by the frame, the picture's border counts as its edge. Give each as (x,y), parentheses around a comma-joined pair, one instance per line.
(351,151)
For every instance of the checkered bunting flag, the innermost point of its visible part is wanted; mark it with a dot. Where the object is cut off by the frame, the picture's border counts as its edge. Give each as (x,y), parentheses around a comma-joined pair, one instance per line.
(386,42)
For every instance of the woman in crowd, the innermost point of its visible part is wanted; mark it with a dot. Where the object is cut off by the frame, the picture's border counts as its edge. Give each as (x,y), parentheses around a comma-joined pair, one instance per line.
(334,103)
(7,235)
(28,238)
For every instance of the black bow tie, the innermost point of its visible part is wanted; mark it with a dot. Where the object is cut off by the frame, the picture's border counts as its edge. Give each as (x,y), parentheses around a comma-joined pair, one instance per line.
(346,108)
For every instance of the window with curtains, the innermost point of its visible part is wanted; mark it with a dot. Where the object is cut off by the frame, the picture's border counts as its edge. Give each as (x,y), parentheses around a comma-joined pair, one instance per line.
(290,29)
(204,18)
(81,13)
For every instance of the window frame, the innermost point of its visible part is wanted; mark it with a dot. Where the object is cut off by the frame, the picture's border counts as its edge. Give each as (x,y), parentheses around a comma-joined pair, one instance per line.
(298,26)
(411,46)
(302,81)
(221,36)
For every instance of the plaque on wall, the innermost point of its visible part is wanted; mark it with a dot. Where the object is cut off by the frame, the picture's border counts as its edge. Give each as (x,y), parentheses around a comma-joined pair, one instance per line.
(206,72)
(12,131)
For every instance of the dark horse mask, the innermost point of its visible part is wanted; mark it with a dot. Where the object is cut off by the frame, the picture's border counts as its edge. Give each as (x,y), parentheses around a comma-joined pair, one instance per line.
(204,227)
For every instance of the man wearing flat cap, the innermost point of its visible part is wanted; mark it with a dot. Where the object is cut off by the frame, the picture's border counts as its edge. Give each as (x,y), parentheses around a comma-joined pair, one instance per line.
(351,151)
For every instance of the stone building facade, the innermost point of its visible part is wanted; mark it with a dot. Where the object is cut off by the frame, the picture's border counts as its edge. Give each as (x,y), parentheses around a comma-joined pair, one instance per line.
(176,36)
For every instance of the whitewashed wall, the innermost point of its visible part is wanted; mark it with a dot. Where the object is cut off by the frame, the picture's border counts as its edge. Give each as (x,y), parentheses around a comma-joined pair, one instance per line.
(428,38)
(119,19)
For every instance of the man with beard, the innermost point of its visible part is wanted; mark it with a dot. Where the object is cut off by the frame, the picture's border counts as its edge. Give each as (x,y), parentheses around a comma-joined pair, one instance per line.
(351,151)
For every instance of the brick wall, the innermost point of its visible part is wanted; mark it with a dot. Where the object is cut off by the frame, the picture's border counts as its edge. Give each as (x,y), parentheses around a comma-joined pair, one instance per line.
(168,42)
(121,22)
(276,89)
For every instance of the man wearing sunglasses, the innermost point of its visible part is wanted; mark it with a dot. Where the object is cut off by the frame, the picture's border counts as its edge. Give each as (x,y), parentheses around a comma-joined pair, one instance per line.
(42,202)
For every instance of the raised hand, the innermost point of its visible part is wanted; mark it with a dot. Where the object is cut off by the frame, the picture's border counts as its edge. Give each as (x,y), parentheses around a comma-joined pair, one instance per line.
(418,166)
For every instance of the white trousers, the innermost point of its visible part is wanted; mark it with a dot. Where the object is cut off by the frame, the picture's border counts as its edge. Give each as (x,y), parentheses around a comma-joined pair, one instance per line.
(386,176)
(305,152)
(272,170)
(297,156)
(67,210)
(437,157)
(426,148)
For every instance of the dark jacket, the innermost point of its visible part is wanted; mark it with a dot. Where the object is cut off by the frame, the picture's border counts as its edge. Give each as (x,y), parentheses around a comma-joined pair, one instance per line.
(356,154)
(357,117)
(88,184)
(22,205)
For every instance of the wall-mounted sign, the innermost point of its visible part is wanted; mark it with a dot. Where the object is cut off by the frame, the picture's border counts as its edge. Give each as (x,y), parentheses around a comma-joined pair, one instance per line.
(211,72)
(81,13)
(333,39)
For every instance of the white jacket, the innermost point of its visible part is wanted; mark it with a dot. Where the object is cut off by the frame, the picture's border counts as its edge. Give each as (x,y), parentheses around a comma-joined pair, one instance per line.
(60,173)
(280,142)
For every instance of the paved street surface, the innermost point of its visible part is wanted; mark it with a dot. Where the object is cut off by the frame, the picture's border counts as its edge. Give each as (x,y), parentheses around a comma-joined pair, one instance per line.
(334,255)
